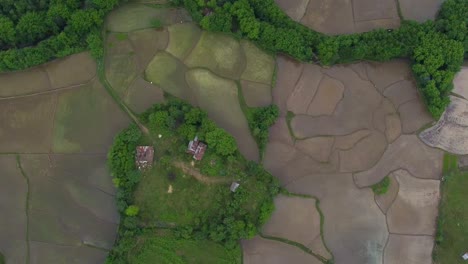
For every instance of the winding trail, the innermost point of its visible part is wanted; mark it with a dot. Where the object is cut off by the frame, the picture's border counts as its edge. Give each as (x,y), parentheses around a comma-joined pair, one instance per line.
(200,177)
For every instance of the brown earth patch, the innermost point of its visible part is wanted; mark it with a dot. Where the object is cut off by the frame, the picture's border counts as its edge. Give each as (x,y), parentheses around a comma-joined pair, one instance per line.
(256,94)
(289,72)
(409,249)
(415,208)
(294,9)
(61,76)
(409,153)
(297,219)
(264,251)
(24,82)
(329,94)
(26,123)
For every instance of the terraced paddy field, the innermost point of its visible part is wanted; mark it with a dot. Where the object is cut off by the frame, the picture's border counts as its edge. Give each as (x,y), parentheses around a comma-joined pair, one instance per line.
(55,186)
(341,131)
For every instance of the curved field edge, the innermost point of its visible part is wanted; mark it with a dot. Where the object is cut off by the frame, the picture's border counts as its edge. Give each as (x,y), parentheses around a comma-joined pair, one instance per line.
(197,211)
(435,48)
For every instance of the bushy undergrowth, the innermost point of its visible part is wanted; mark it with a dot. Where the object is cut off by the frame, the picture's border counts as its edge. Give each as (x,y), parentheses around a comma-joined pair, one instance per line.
(231,215)
(34,32)
(260,120)
(436,48)
(381,187)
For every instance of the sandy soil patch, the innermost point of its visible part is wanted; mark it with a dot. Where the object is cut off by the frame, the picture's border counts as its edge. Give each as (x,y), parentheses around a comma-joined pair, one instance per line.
(263,251)
(256,94)
(61,76)
(297,219)
(450,133)
(414,210)
(26,123)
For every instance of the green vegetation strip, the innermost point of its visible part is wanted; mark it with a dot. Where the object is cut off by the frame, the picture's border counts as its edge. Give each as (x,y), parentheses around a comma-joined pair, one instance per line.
(381,187)
(200,213)
(452,223)
(35,32)
(436,48)
(26,178)
(298,245)
(260,119)
(2,259)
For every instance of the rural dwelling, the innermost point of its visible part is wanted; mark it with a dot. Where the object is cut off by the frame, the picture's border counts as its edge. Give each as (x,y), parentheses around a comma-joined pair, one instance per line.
(196,148)
(234,186)
(144,157)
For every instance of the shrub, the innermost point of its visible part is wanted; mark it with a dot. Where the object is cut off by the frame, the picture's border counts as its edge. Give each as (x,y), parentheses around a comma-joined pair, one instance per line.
(436,46)
(381,187)
(132,210)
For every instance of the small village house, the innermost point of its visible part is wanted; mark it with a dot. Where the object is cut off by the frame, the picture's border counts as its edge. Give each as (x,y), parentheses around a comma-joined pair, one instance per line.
(196,148)
(144,157)
(234,186)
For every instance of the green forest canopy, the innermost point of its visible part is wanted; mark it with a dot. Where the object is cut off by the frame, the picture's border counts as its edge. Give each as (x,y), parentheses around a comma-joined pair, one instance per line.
(33,32)
(436,48)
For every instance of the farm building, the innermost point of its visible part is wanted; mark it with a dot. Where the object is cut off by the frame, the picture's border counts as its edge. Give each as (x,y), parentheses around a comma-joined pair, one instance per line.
(144,157)
(196,148)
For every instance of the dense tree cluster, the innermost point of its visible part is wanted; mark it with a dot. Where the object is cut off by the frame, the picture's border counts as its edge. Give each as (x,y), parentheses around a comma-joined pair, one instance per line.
(233,216)
(260,120)
(436,47)
(36,31)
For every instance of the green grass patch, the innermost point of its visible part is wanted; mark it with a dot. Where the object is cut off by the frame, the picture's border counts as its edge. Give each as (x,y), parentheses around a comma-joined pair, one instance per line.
(220,53)
(168,72)
(182,39)
(452,223)
(121,36)
(166,248)
(196,202)
(186,200)
(2,259)
(260,66)
(132,16)
(381,187)
(289,117)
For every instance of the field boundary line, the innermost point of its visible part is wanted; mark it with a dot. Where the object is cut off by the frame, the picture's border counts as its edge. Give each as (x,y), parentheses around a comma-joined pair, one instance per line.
(51,91)
(20,167)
